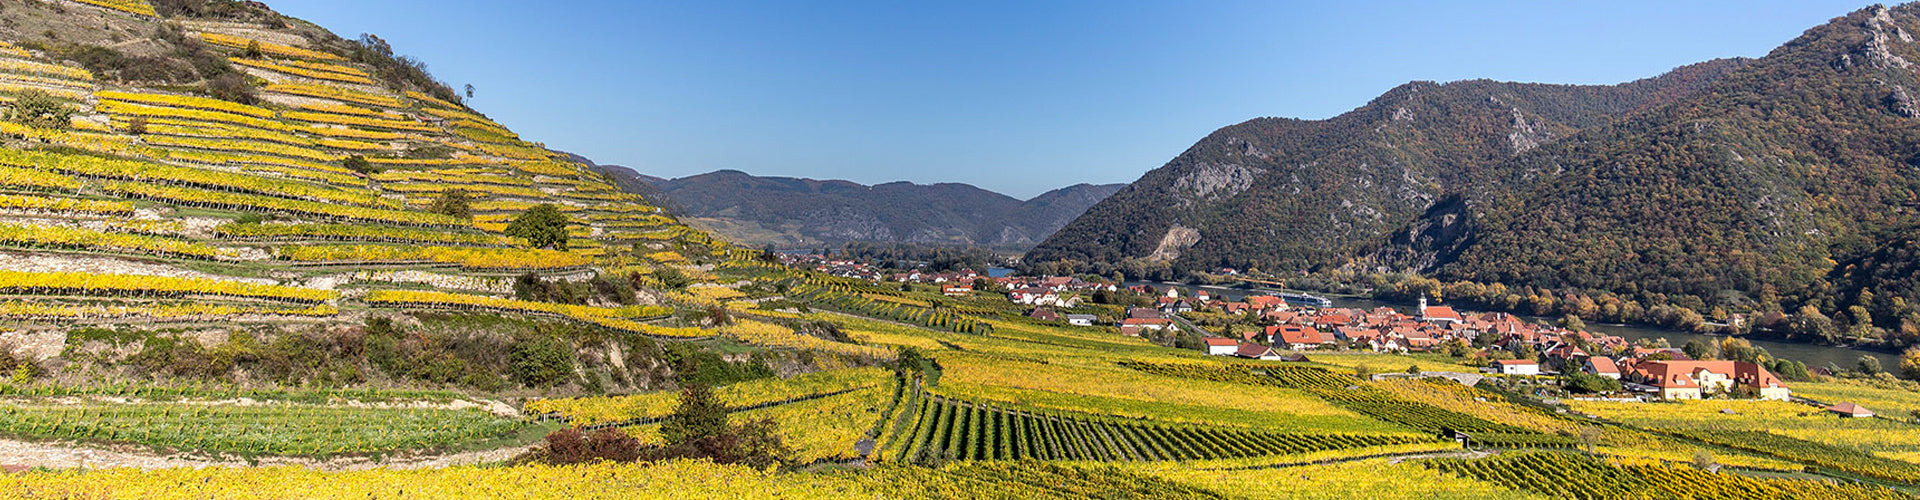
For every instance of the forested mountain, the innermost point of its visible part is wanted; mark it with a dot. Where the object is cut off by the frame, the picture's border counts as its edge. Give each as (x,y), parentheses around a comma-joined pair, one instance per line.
(1733,184)
(1287,193)
(785,211)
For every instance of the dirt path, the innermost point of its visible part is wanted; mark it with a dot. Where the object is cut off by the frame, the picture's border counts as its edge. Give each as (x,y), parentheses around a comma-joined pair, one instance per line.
(1456,454)
(67,455)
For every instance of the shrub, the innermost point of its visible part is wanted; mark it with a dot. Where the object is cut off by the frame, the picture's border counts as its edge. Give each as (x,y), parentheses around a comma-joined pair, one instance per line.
(37,108)
(1589,383)
(570,446)
(177,357)
(698,428)
(232,87)
(541,361)
(452,202)
(360,164)
(671,278)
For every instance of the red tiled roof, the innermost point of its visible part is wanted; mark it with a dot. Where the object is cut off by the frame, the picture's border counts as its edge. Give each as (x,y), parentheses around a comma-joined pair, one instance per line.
(1515,362)
(1602,364)
(1335,319)
(1264,301)
(1359,333)
(1219,341)
(1677,374)
(1298,335)
(1441,312)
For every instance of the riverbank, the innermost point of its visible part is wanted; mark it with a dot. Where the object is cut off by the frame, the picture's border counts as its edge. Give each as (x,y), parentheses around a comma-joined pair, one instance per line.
(1814,355)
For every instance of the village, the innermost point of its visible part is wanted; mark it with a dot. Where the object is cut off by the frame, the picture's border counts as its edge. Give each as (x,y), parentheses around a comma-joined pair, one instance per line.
(1507,344)
(1289,327)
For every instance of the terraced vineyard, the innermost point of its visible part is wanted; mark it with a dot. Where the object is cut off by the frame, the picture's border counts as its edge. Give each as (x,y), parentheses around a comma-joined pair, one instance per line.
(302,249)
(1365,398)
(272,180)
(959,430)
(866,299)
(1563,475)
(257,430)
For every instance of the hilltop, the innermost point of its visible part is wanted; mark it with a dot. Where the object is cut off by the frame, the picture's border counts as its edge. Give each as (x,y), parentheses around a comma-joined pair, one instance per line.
(788,212)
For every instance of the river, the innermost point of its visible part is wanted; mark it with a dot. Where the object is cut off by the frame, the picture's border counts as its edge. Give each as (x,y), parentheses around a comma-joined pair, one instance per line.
(1811,354)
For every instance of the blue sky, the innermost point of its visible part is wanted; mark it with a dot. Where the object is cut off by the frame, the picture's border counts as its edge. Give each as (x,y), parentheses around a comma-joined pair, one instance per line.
(1017,97)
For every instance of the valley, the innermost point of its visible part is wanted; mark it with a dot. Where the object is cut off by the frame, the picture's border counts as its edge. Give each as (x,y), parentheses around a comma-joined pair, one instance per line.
(244,257)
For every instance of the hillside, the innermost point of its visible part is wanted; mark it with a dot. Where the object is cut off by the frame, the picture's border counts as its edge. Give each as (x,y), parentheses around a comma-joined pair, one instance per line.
(789,212)
(299,267)
(1729,184)
(287,207)
(1277,193)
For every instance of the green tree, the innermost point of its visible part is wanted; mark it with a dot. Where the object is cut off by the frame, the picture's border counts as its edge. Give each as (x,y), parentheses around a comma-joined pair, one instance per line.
(1810,321)
(542,226)
(455,203)
(1740,350)
(1589,383)
(39,109)
(360,164)
(1910,363)
(699,415)
(542,361)
(1572,322)
(1700,349)
(671,278)
(1867,364)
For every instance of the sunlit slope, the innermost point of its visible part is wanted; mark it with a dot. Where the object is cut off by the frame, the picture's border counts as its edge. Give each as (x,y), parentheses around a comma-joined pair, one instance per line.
(153,206)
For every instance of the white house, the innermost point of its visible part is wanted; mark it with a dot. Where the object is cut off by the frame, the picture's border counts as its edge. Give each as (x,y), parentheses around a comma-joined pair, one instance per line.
(1221,346)
(1034,297)
(1081,319)
(1602,366)
(1514,367)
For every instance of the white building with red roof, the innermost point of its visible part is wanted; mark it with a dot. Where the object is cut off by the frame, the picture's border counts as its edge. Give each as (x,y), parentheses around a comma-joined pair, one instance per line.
(1437,314)
(1514,367)
(1692,379)
(1221,346)
(1602,366)
(1298,337)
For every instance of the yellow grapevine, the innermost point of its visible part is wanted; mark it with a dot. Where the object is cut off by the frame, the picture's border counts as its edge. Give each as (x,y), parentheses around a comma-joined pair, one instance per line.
(267,47)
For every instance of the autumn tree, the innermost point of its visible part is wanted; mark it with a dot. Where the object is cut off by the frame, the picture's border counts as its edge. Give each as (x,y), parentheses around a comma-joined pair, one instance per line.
(1910,363)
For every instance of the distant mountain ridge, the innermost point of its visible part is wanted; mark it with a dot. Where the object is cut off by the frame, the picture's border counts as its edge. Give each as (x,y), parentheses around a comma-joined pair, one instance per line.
(786,211)
(1730,185)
